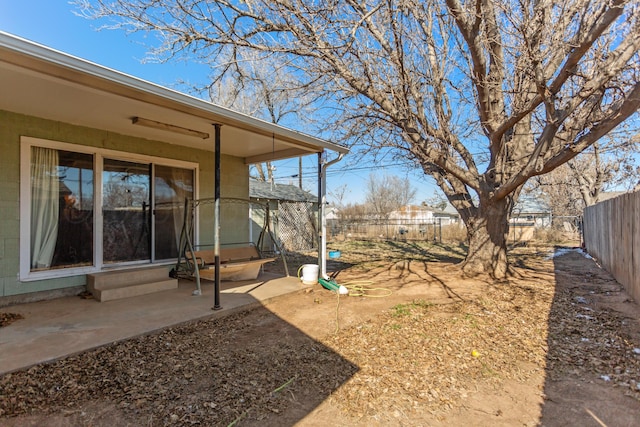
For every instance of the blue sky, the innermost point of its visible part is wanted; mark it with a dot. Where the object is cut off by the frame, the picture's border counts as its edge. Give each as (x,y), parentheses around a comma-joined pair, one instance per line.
(53,24)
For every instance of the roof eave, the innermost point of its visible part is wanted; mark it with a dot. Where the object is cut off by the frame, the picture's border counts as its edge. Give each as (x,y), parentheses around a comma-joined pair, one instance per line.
(33,55)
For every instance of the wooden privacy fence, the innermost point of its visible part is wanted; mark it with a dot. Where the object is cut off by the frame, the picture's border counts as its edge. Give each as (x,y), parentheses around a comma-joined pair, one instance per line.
(612,236)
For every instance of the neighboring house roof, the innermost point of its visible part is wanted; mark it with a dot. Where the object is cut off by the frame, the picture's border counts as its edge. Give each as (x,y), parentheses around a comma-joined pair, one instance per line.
(331,213)
(451,211)
(102,98)
(445,214)
(411,211)
(530,205)
(414,210)
(268,191)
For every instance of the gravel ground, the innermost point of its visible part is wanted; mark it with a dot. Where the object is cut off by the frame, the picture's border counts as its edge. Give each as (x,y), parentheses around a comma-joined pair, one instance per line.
(441,350)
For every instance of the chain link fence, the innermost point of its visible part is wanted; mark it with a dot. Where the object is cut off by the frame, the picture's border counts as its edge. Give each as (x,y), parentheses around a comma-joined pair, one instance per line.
(293,226)
(438,229)
(544,227)
(297,225)
(522,228)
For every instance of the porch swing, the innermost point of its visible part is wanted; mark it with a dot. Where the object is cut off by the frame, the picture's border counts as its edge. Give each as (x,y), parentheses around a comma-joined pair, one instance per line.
(242,261)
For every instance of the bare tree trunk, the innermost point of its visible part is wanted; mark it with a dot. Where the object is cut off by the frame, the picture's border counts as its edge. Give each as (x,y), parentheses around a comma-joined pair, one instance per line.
(261,176)
(487,234)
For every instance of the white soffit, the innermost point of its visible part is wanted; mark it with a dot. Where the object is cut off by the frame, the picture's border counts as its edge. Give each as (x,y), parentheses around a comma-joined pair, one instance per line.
(38,81)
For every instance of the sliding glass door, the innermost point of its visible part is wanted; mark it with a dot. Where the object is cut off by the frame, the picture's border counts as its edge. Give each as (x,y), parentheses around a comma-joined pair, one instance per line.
(139,216)
(172,186)
(126,212)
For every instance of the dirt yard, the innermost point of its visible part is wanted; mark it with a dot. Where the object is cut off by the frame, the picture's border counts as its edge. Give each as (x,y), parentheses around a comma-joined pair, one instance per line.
(556,345)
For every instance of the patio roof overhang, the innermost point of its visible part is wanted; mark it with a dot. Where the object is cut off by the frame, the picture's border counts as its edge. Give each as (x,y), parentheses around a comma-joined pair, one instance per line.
(38,81)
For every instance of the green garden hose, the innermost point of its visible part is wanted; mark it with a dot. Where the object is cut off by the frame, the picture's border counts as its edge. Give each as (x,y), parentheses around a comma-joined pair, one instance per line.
(329,284)
(355,288)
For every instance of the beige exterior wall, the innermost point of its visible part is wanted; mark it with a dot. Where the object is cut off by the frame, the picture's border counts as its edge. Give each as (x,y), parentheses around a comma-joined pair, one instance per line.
(234,216)
(234,182)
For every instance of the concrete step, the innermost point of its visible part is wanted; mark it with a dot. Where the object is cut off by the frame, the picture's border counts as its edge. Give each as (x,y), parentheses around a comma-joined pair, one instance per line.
(117,284)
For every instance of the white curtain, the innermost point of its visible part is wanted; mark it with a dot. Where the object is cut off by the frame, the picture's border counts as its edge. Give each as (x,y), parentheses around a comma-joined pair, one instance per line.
(45,200)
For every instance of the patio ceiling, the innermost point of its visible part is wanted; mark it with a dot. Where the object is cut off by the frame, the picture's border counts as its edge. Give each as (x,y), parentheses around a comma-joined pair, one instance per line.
(38,81)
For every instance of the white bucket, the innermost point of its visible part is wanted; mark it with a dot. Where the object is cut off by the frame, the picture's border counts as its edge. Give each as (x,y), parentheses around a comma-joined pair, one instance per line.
(310,274)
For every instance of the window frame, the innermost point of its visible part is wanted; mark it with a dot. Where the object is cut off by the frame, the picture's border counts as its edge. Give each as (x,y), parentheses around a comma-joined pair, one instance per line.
(26,142)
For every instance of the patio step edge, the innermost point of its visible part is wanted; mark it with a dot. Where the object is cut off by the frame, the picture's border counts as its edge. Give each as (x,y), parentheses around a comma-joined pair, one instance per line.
(118,284)
(130,276)
(128,291)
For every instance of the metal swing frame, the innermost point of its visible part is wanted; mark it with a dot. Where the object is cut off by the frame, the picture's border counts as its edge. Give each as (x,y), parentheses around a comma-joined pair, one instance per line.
(187,264)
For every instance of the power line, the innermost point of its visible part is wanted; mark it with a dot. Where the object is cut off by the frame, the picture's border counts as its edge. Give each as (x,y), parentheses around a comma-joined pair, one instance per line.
(337,170)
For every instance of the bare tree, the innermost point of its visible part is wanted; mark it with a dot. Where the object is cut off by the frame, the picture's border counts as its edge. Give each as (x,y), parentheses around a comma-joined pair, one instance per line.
(483,95)
(353,212)
(436,201)
(581,181)
(338,194)
(559,190)
(387,193)
(263,89)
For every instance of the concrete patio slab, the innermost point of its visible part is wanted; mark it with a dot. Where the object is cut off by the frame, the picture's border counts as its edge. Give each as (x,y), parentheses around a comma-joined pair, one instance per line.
(61,327)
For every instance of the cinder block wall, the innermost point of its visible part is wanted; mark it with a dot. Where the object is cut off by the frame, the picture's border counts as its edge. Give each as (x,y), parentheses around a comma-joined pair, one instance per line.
(234,182)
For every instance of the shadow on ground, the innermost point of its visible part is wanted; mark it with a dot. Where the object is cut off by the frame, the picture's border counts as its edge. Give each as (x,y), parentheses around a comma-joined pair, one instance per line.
(247,368)
(592,370)
(367,252)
